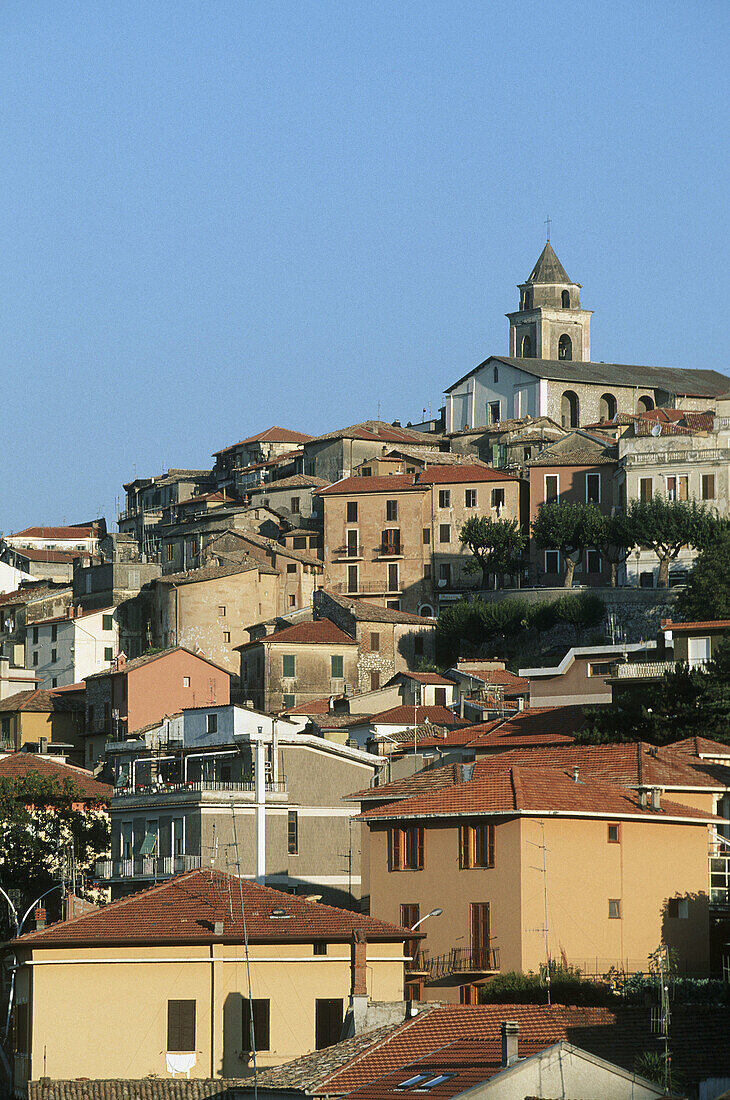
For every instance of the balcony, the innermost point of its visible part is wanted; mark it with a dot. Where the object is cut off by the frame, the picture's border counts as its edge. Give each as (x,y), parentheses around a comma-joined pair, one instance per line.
(686,457)
(354,553)
(463,962)
(641,670)
(154,867)
(389,550)
(371,588)
(200,786)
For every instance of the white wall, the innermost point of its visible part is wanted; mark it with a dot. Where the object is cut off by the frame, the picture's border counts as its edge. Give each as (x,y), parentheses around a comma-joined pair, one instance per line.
(10,577)
(79,647)
(468,403)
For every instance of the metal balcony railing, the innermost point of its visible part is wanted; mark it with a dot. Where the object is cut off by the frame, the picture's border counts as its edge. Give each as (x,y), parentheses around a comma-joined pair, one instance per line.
(641,670)
(356,551)
(162,788)
(371,587)
(145,867)
(389,550)
(464,960)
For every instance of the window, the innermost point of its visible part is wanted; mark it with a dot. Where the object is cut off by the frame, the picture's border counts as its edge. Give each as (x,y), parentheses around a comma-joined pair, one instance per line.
(552,561)
(614,833)
(337,672)
(352,543)
(319,947)
(352,511)
(497,499)
(393,585)
(391,510)
(708,486)
(439,697)
(526,347)
(186,681)
(426,536)
(551,487)
(646,488)
(390,541)
(480,935)
(593,488)
(107,622)
(427,573)
(418,645)
(367,471)
(289,701)
(181,1025)
(477,846)
(258,1012)
(54,682)
(226,636)
(565,299)
(607,406)
(328,1022)
(677,487)
(469,995)
(409,916)
(108,653)
(170,551)
(496,373)
(614,908)
(569,408)
(565,351)
(221,612)
(470,498)
(645,404)
(293,832)
(294,504)
(678,908)
(288,665)
(20,1027)
(35,658)
(593,561)
(444,574)
(527,301)
(352,583)
(374,643)
(35,635)
(291,568)
(211,723)
(374,680)
(599,668)
(292,601)
(493,409)
(54,633)
(406,848)
(445,532)
(444,498)
(299,542)
(54,656)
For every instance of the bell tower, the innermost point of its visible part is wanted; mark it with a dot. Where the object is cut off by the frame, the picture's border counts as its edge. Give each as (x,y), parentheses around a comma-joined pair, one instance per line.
(550,323)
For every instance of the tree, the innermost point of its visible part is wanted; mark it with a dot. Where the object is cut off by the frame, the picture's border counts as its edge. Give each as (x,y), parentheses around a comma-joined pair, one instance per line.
(707,594)
(581,610)
(569,527)
(42,821)
(617,537)
(495,543)
(666,526)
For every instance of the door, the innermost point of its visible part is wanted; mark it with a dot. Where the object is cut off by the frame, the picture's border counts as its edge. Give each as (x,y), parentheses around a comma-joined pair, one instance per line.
(480,935)
(328,1022)
(409,915)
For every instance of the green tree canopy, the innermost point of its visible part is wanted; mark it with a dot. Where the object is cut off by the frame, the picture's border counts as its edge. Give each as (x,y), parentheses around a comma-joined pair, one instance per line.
(667,525)
(707,595)
(616,538)
(495,543)
(569,527)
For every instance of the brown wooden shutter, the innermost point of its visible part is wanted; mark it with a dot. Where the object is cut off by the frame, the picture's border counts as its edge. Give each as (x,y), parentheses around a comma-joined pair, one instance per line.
(261,1024)
(396,857)
(464,846)
(328,1022)
(419,864)
(491,852)
(181,1025)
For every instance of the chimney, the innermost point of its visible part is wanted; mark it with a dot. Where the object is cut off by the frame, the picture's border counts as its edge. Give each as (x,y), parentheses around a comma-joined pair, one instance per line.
(358,965)
(642,796)
(121,661)
(70,611)
(510,1041)
(40,919)
(218,923)
(521,703)
(43,745)
(656,803)
(576,773)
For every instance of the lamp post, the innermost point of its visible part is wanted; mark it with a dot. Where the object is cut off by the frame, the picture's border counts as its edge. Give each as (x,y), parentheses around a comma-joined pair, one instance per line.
(433,913)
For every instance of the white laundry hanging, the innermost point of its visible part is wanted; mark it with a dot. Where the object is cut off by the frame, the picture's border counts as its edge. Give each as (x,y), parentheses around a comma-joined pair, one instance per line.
(179,1063)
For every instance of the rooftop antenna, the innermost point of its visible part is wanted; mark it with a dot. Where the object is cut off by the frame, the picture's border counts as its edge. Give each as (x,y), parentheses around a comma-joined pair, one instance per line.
(661,1016)
(248,961)
(548,223)
(544,929)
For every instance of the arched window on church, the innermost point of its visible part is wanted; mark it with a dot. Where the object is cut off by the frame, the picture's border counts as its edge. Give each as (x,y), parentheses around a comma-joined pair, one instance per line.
(569,410)
(607,406)
(566,299)
(644,405)
(565,347)
(526,350)
(496,374)
(527,300)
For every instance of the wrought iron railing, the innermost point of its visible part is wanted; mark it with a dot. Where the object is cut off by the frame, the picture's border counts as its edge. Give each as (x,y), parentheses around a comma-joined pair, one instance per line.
(464,960)
(355,551)
(641,670)
(369,586)
(162,788)
(145,867)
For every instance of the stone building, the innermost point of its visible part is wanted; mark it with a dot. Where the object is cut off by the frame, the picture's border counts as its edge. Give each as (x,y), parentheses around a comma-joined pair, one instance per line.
(337,454)
(256,454)
(149,497)
(548,371)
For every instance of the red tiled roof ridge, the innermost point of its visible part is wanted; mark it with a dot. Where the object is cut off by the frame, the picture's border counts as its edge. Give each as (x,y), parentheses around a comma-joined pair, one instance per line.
(669,624)
(516,787)
(397,1031)
(380,483)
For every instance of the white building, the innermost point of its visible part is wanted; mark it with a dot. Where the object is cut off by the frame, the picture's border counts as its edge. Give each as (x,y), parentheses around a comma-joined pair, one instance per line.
(65,649)
(10,577)
(83,539)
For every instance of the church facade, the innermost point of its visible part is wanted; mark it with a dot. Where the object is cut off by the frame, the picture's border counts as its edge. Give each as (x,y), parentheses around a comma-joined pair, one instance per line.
(549,371)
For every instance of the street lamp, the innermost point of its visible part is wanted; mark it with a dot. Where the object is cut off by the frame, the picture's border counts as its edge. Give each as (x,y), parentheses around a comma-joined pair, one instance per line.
(433,913)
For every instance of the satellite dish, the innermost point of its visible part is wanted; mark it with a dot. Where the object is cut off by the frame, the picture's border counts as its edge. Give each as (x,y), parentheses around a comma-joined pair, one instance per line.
(656,430)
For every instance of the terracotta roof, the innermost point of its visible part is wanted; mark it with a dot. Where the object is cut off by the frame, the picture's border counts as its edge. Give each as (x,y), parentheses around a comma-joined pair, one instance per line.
(578,457)
(392,483)
(33,592)
(697,1036)
(701,624)
(514,684)
(367,612)
(17,765)
(215,572)
(377,431)
(149,1088)
(534,726)
(445,475)
(514,789)
(427,678)
(225,498)
(698,746)
(314,706)
(273,547)
(65,557)
(79,614)
(182,911)
(296,481)
(137,662)
(428,779)
(404,714)
(57,533)
(40,700)
(271,435)
(322,631)
(338,721)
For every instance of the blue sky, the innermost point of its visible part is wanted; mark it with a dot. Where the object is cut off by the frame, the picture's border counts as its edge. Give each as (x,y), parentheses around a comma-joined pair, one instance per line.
(217,216)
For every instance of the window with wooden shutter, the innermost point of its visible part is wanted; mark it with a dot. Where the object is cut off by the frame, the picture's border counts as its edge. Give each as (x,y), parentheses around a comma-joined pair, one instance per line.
(260,1009)
(406,848)
(328,1022)
(181,1025)
(477,846)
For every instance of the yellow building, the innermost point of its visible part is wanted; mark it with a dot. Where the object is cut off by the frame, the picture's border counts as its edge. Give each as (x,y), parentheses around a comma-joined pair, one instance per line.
(528,861)
(160,982)
(30,716)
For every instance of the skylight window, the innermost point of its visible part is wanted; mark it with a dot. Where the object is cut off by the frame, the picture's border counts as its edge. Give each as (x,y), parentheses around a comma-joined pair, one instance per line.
(438,1080)
(412,1081)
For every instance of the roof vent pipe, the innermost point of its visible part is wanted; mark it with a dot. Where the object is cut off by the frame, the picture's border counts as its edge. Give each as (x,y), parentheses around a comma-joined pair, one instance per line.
(656,803)
(510,1042)
(576,773)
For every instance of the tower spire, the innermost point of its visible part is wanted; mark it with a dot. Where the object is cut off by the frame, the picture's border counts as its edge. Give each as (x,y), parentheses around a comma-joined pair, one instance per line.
(548,223)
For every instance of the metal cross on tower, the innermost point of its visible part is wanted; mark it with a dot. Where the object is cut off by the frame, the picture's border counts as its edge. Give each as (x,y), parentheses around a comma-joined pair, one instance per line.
(548,223)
